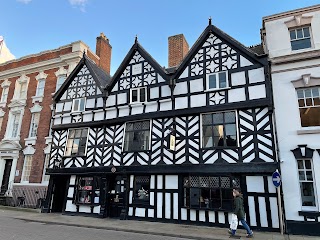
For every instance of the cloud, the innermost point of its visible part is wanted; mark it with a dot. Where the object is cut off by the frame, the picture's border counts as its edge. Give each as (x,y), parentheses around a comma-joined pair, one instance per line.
(78,3)
(24,1)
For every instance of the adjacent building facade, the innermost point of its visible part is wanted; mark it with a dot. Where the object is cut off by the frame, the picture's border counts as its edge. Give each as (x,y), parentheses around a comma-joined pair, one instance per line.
(27,87)
(292,41)
(167,144)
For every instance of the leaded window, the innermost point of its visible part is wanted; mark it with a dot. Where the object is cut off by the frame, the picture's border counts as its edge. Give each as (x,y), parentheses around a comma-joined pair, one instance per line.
(217,80)
(77,141)
(88,190)
(209,192)
(219,130)
(309,106)
(78,105)
(306,182)
(138,95)
(137,136)
(141,189)
(300,38)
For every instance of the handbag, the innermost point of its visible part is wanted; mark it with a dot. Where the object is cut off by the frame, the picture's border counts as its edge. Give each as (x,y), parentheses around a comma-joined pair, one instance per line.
(234,222)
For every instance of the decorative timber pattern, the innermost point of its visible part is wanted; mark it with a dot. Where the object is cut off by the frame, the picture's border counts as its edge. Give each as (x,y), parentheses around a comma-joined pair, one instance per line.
(59,140)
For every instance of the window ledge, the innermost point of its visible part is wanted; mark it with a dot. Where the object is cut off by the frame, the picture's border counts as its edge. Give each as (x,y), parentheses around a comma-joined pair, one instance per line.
(217,89)
(309,213)
(136,151)
(37,99)
(48,140)
(30,141)
(76,112)
(311,130)
(137,104)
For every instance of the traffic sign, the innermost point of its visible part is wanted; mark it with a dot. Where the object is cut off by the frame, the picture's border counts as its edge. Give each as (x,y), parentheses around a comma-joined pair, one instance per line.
(276,179)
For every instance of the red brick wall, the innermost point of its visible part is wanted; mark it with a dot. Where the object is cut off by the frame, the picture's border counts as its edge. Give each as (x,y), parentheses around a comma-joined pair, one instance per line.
(178,49)
(103,50)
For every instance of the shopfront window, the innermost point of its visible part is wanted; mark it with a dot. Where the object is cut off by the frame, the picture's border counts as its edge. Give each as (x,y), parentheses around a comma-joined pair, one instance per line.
(141,189)
(88,190)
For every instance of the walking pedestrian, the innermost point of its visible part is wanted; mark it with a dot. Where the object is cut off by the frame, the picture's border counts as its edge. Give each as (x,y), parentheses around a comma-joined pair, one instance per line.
(239,211)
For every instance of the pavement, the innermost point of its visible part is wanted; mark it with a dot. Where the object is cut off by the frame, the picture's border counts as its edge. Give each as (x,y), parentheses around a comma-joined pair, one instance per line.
(145,227)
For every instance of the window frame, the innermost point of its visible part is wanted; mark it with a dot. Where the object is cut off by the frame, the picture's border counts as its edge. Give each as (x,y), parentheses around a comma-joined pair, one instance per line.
(217,81)
(225,146)
(33,123)
(125,132)
(66,146)
(23,94)
(25,165)
(295,29)
(139,95)
(95,189)
(15,116)
(4,94)
(84,104)
(59,77)
(40,89)
(135,200)
(46,178)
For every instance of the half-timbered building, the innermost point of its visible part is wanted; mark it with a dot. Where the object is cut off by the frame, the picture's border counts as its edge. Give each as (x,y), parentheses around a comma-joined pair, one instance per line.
(167,144)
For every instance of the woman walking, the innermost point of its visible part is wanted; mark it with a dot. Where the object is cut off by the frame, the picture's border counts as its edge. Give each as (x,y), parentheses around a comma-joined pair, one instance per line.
(239,211)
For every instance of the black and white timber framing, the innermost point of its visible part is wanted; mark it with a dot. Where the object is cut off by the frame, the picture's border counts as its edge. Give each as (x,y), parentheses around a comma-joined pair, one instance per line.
(175,106)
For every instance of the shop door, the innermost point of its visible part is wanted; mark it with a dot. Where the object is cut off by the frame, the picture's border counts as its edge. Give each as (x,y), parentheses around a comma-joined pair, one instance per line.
(59,193)
(116,196)
(6,176)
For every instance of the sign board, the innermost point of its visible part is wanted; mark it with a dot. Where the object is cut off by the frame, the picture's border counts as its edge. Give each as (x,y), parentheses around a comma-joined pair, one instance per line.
(172,142)
(276,179)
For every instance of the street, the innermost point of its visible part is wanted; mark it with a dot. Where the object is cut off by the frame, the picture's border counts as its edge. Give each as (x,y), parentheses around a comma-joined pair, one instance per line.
(14,229)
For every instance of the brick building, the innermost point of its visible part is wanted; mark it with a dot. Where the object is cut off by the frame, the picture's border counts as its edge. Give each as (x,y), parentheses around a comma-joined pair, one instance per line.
(27,87)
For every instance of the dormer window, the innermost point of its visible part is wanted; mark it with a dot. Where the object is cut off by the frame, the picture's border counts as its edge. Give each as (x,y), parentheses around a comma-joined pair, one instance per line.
(138,95)
(217,80)
(300,38)
(78,105)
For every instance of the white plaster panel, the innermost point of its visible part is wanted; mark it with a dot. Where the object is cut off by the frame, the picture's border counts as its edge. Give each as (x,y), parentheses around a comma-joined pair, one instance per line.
(96,209)
(130,212)
(131,181)
(171,181)
(140,212)
(98,116)
(152,107)
(274,212)
(271,187)
(122,98)
(100,102)
(90,103)
(256,92)
(87,117)
(159,182)
(212,216)
(168,206)
(236,95)
(221,217)
(255,184)
(70,207)
(72,180)
(151,213)
(202,216)
(84,209)
(175,206)
(181,88)
(67,106)
(238,78)
(111,113)
(59,107)
(152,180)
(137,109)
(111,100)
(263,212)
(256,75)
(244,62)
(252,211)
(185,73)
(154,92)
(159,205)
(165,91)
(183,214)
(123,112)
(181,102)
(193,215)
(152,198)
(66,119)
(165,106)
(198,100)
(136,69)
(160,79)
(130,197)
(196,85)
(70,192)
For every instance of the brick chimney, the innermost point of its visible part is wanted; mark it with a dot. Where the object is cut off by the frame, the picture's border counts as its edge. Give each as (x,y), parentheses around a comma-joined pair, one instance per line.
(103,50)
(178,49)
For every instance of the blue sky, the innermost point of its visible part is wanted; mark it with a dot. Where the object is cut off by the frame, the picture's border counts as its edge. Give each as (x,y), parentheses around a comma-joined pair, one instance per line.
(32,26)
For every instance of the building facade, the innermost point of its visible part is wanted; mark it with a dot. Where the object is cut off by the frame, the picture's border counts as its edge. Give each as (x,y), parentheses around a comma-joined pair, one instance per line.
(27,86)
(167,144)
(292,40)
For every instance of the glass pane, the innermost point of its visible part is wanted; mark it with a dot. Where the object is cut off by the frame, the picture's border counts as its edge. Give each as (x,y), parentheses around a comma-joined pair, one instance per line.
(217,118)
(230,129)
(76,105)
(81,104)
(207,142)
(315,92)
(300,164)
(307,194)
(300,93)
(316,101)
(71,133)
(218,141)
(134,95)
(309,102)
(306,32)
(307,93)
(84,132)
(301,103)
(142,94)
(145,125)
(78,133)
(301,175)
(299,33)
(292,34)
(222,80)
(310,116)
(218,131)
(212,81)
(307,164)
(231,140)
(129,126)
(301,44)
(207,119)
(309,175)
(230,117)
(207,131)
(194,197)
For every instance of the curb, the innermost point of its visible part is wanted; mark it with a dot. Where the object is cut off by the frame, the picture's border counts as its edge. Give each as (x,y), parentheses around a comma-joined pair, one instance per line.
(19,209)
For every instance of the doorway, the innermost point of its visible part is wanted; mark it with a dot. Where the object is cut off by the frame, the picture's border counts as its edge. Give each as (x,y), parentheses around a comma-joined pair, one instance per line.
(6,176)
(115,196)
(59,193)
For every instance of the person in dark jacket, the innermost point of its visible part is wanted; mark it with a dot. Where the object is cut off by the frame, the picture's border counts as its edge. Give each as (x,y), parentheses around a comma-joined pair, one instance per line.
(239,211)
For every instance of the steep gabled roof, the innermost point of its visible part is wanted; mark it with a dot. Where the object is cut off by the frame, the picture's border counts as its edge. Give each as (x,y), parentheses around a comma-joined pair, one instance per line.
(101,78)
(223,36)
(137,47)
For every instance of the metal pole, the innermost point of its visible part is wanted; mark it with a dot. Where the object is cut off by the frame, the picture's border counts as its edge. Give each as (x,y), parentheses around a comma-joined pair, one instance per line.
(280,210)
